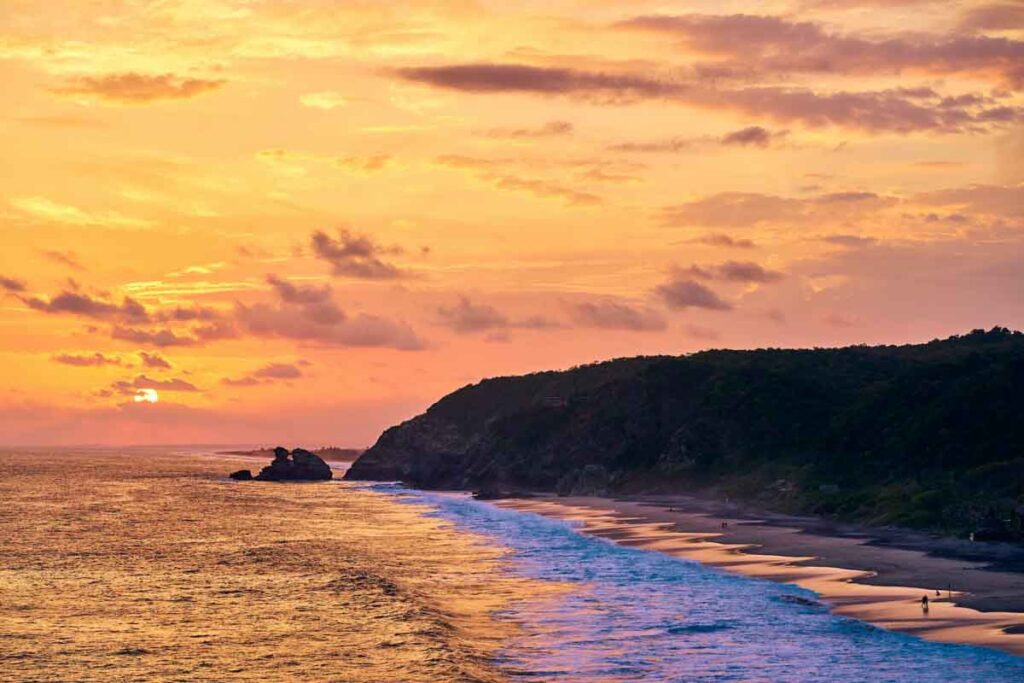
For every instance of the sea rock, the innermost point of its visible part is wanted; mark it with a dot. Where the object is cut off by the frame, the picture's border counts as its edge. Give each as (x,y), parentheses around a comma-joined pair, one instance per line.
(241,475)
(299,465)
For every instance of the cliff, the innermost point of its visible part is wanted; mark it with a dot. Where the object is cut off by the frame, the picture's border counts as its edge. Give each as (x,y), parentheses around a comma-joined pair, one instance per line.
(926,435)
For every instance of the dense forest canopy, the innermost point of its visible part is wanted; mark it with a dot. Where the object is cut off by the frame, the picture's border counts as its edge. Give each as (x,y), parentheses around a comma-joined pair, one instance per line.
(927,435)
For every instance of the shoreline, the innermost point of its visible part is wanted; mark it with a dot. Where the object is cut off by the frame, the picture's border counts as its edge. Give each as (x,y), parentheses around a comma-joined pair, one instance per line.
(854,571)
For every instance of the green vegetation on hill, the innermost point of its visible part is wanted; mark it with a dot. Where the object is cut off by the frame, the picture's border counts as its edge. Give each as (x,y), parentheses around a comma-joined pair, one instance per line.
(928,435)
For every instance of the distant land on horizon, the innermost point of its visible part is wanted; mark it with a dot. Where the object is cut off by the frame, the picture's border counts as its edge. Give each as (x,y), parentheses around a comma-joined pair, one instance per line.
(326,452)
(924,436)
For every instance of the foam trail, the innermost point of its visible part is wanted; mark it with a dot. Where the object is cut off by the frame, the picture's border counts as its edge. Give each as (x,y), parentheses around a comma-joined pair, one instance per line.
(641,615)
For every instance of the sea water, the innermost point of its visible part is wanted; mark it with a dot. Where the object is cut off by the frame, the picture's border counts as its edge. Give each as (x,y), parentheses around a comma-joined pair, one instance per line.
(632,615)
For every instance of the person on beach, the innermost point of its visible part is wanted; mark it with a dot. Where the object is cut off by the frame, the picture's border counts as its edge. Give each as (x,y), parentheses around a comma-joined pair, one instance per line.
(924,604)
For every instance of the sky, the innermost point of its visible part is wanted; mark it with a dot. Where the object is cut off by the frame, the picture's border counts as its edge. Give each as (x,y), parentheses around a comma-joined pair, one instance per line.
(302,221)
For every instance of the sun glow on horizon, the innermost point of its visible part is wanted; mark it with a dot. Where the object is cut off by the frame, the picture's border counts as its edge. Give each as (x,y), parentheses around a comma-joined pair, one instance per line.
(146,396)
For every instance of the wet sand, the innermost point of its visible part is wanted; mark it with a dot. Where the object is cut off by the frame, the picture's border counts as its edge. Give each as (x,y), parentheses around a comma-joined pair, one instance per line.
(120,567)
(879,584)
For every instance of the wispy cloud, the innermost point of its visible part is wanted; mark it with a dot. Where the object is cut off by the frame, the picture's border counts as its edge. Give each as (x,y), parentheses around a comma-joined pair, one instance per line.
(901,111)
(268,373)
(95,359)
(136,88)
(617,315)
(469,317)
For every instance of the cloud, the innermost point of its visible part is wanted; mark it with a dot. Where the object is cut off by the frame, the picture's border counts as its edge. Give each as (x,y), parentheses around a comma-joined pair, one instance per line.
(720,240)
(894,110)
(994,17)
(673,145)
(245,381)
(96,359)
(268,373)
(66,258)
(617,315)
(136,88)
(354,255)
(221,329)
(74,303)
(144,382)
(547,130)
(10,284)
(154,360)
(298,294)
(747,209)
(752,136)
(736,271)
(488,171)
(161,338)
(188,314)
(852,241)
(468,317)
(303,324)
(278,371)
(778,45)
(546,189)
(492,78)
(680,293)
(996,200)
(733,209)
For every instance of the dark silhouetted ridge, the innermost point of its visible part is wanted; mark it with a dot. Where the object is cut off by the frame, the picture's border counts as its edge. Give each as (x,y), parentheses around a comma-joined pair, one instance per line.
(928,435)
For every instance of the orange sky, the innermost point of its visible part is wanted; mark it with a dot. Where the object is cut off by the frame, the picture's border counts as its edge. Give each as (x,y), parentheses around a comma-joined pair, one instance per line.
(300,221)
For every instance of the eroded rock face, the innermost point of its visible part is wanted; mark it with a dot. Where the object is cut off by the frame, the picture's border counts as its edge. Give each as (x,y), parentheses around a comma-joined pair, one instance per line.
(299,465)
(426,450)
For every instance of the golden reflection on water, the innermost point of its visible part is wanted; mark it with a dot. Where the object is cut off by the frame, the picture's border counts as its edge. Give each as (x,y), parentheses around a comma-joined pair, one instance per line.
(120,566)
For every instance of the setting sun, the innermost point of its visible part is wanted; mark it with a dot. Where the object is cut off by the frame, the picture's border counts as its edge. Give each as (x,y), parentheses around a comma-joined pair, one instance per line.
(146,396)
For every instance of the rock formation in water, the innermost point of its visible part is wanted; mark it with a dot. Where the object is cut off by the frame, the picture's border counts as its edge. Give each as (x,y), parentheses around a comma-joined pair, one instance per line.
(924,435)
(299,465)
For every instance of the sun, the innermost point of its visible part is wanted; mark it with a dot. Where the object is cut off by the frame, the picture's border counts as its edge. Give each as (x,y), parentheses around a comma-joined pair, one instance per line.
(146,396)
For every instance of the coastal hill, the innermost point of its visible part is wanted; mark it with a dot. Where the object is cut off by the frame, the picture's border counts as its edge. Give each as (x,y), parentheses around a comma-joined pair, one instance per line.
(927,436)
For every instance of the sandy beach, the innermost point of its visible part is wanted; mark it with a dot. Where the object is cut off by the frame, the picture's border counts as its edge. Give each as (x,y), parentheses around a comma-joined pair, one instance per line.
(876,576)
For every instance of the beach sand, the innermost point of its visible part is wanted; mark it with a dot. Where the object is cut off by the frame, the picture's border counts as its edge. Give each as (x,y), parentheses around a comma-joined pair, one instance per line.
(850,569)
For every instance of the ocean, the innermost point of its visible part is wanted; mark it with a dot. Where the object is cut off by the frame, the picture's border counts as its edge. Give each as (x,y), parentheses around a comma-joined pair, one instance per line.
(634,615)
(150,565)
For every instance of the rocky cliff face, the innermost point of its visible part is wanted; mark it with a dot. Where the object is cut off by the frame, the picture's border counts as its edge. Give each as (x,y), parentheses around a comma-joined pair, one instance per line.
(909,434)
(424,450)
